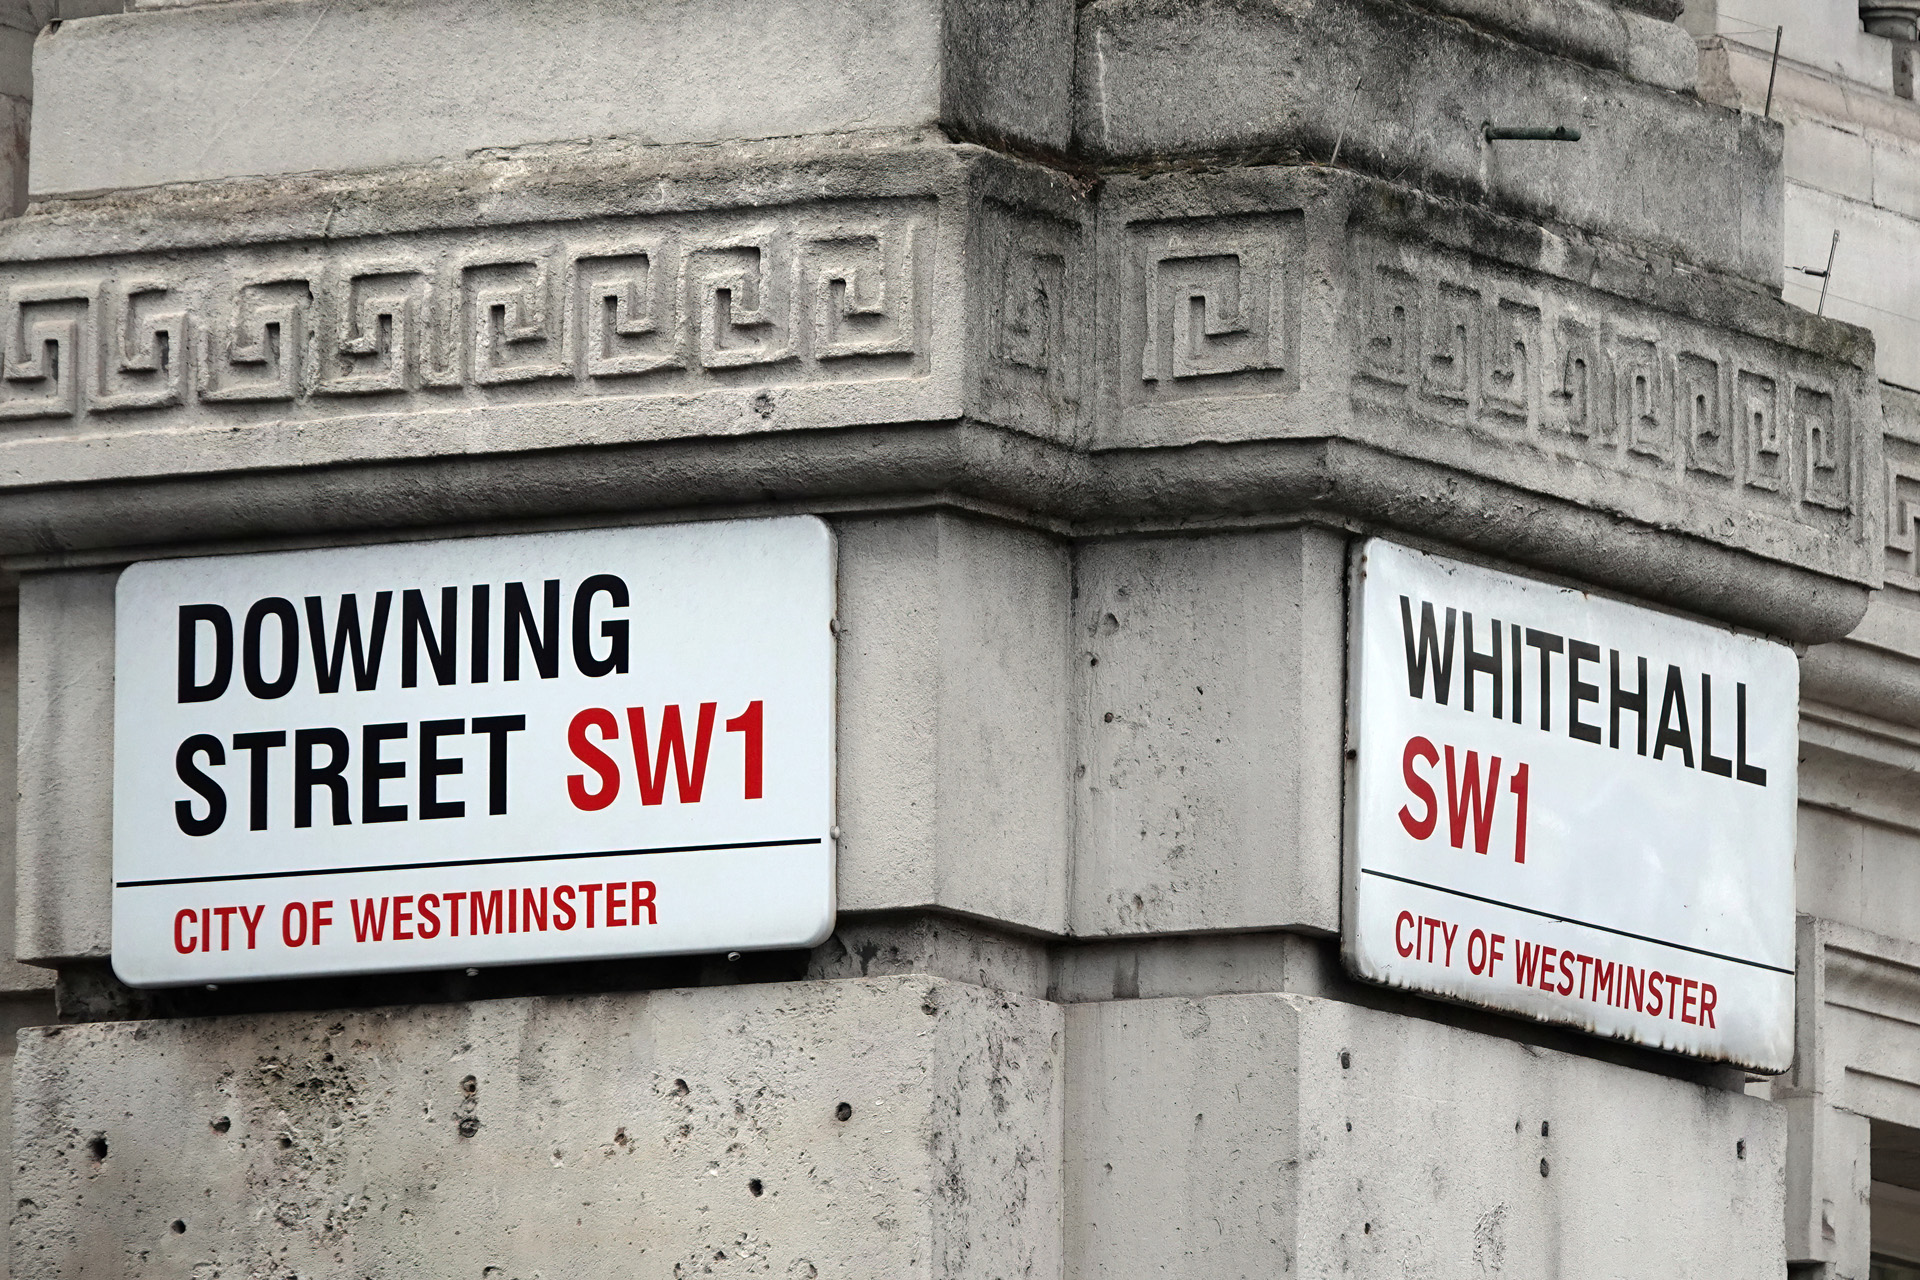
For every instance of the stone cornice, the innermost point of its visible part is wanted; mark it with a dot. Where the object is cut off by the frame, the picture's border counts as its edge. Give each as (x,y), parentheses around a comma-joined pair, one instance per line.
(609,329)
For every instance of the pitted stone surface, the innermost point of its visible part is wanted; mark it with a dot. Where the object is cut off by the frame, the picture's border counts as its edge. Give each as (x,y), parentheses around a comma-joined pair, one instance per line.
(1208,786)
(887,1126)
(1291,1135)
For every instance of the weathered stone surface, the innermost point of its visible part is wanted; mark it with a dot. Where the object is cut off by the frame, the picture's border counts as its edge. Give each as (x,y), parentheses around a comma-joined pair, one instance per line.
(205,92)
(1866,689)
(955,719)
(1829,1187)
(14,976)
(1856,1055)
(1858,1030)
(481,345)
(1490,349)
(1271,1135)
(1211,722)
(666,1134)
(63,872)
(1160,78)
(1604,34)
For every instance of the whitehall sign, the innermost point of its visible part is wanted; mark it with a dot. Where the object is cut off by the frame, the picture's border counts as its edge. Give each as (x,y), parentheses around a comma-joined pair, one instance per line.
(479,751)
(1571,808)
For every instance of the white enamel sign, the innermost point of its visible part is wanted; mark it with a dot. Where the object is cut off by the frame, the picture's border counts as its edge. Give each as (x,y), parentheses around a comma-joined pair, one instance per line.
(1571,808)
(479,751)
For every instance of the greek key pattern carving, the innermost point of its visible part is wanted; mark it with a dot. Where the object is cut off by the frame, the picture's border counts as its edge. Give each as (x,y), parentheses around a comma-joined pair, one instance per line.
(1213,306)
(1633,392)
(641,306)
(1903,510)
(1032,296)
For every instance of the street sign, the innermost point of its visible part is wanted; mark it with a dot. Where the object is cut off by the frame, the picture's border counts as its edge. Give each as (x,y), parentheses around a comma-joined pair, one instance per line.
(1570,808)
(477,751)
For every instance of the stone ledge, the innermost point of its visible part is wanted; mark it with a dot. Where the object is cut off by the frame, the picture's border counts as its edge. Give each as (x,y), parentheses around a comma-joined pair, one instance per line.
(1184,348)
(443,79)
(1644,46)
(141,99)
(1858,1029)
(985,1134)
(907,466)
(1167,78)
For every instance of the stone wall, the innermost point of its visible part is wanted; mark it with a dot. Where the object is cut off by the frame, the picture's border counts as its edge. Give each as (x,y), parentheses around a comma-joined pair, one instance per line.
(1067,321)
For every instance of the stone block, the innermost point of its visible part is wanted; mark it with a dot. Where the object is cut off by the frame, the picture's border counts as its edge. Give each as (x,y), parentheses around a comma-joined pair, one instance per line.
(1858,861)
(954,718)
(1211,728)
(1896,175)
(291,86)
(1276,1134)
(64,873)
(1832,159)
(1857,1028)
(1195,965)
(1824,34)
(14,976)
(1167,77)
(891,1126)
(1593,31)
(1828,1176)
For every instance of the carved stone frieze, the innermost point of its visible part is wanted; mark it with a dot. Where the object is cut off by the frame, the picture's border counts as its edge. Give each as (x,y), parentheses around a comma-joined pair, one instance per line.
(1903,511)
(1287,308)
(1543,370)
(1274,312)
(813,293)
(1031,313)
(1211,305)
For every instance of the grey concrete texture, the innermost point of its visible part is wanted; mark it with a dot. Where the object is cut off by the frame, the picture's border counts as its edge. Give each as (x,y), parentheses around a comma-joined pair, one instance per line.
(1287,1135)
(1161,78)
(63,869)
(543,335)
(664,1134)
(1856,1058)
(1829,1188)
(985,1134)
(15,978)
(1875,672)
(292,86)
(1859,840)
(1614,36)
(1076,971)
(1210,715)
(1857,1026)
(955,719)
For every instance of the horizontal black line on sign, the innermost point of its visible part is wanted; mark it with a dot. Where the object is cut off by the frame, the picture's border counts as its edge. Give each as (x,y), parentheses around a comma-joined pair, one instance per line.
(469,862)
(1584,924)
